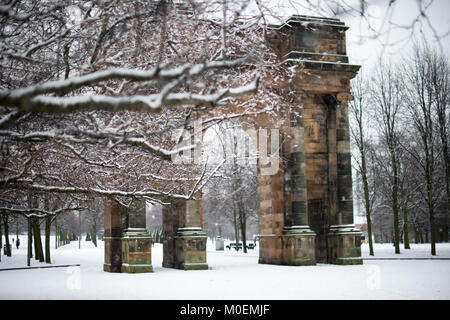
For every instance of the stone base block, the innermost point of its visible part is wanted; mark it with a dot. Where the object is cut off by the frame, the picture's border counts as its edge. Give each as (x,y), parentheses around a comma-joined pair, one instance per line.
(193,266)
(344,245)
(136,251)
(111,268)
(190,249)
(134,268)
(298,247)
(113,254)
(270,249)
(348,261)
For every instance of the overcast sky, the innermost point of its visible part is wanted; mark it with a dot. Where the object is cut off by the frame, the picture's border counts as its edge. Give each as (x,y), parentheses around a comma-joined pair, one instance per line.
(397,30)
(386,30)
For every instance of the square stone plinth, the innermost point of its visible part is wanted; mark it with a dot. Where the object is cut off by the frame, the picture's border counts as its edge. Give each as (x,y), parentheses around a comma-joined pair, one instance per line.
(190,244)
(136,251)
(344,245)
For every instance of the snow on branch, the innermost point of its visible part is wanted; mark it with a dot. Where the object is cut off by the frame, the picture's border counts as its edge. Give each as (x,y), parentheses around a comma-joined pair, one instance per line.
(94,138)
(38,213)
(36,98)
(9,118)
(27,183)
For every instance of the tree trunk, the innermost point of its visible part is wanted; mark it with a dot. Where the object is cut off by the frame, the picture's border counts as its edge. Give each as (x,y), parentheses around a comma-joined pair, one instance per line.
(367,204)
(5,224)
(48,224)
(38,250)
(236,229)
(17,228)
(405,229)
(94,238)
(30,244)
(395,208)
(431,213)
(243,227)
(94,233)
(35,242)
(416,234)
(56,235)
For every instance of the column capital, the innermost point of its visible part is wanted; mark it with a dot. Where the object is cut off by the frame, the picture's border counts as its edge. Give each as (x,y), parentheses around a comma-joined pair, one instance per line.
(344,97)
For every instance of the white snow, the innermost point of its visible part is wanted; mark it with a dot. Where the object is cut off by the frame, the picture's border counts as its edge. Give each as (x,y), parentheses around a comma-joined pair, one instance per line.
(231,275)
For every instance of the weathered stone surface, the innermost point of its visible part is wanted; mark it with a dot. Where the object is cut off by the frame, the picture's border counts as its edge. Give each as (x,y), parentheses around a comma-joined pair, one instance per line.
(318,190)
(127,243)
(115,222)
(136,251)
(184,242)
(298,249)
(136,214)
(191,250)
(344,245)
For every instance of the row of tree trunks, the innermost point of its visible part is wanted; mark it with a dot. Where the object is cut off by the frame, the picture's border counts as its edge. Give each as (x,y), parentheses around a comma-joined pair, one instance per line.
(420,236)
(39,252)
(62,237)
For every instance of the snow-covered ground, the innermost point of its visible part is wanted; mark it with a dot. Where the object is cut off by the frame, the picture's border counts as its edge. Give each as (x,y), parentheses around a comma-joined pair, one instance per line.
(231,275)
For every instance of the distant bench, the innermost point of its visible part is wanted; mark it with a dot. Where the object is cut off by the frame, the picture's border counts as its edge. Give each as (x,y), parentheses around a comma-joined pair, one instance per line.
(233,246)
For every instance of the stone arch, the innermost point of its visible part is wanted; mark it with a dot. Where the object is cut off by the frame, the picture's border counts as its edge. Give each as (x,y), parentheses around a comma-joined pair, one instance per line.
(305,208)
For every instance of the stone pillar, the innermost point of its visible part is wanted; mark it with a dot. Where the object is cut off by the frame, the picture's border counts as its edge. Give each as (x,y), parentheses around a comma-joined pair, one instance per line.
(298,240)
(114,220)
(136,241)
(324,78)
(316,150)
(344,239)
(184,242)
(270,217)
(271,200)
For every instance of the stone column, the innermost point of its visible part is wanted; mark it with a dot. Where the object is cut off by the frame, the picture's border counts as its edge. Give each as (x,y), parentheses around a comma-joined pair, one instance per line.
(114,220)
(298,239)
(316,150)
(184,241)
(270,217)
(136,241)
(271,204)
(344,239)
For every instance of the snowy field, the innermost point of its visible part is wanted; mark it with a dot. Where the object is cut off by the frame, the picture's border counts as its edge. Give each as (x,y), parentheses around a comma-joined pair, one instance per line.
(231,275)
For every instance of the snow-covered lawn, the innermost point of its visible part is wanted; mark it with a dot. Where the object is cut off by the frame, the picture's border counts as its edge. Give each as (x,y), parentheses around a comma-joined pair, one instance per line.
(231,275)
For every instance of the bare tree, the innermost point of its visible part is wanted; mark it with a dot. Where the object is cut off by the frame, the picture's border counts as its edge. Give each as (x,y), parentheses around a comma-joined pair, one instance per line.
(360,135)
(388,98)
(426,101)
(236,195)
(158,65)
